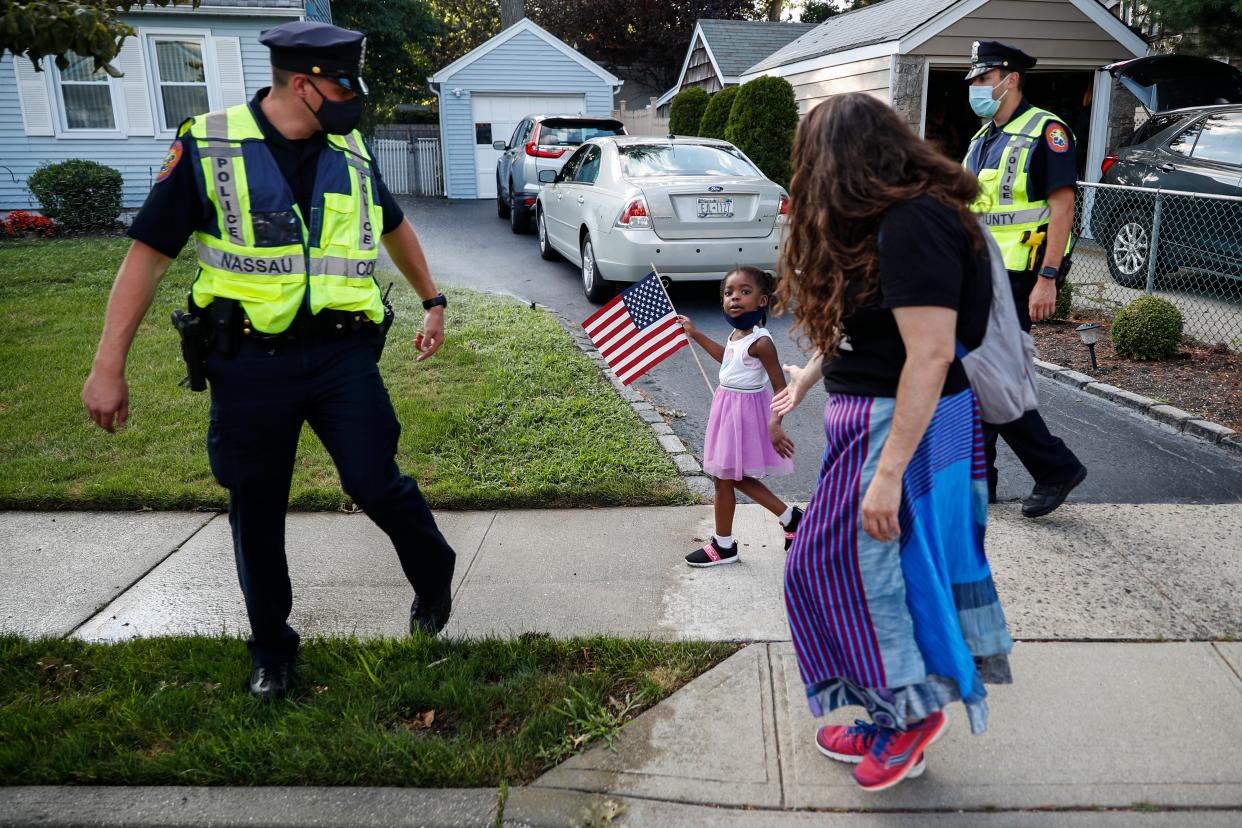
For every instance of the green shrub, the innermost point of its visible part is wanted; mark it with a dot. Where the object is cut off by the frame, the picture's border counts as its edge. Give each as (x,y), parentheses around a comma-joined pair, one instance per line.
(762,124)
(1065,301)
(686,111)
(716,116)
(81,195)
(1147,328)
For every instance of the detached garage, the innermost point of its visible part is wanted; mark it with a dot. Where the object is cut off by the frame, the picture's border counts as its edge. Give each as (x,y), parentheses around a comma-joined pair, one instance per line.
(483,95)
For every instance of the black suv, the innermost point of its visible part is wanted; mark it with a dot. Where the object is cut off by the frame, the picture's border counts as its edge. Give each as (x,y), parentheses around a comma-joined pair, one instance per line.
(1191,143)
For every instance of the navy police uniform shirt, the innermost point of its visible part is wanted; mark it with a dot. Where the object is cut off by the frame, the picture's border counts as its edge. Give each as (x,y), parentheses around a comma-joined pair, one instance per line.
(1053,161)
(174,208)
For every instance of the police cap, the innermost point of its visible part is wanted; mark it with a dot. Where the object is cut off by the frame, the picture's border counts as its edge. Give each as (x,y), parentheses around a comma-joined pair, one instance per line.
(986,55)
(320,49)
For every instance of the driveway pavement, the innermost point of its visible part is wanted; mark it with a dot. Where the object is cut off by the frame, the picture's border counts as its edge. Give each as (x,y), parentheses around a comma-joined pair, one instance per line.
(1131,459)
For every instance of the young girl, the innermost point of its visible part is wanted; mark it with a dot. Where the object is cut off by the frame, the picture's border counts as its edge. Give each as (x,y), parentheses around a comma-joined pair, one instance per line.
(745,441)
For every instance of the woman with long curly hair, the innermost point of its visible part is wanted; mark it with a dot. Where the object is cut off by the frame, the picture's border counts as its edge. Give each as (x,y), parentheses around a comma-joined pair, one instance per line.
(890,598)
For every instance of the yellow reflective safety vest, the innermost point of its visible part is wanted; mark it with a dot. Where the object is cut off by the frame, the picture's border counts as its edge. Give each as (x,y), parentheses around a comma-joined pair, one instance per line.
(261,250)
(1013,218)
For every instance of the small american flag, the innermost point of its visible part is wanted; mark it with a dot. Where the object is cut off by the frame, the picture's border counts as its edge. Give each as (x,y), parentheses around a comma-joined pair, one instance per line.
(637,330)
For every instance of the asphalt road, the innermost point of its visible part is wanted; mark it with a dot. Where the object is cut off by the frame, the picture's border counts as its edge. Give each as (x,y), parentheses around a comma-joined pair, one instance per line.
(1131,459)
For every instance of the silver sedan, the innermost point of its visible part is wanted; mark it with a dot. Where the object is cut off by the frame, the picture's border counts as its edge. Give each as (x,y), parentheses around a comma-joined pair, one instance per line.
(692,207)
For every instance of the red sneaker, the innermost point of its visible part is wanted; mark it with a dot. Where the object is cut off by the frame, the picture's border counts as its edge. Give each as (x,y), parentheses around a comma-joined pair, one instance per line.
(851,744)
(894,755)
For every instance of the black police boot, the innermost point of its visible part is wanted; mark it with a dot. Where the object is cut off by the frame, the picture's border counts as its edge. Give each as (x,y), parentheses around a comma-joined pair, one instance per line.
(431,615)
(270,683)
(1046,497)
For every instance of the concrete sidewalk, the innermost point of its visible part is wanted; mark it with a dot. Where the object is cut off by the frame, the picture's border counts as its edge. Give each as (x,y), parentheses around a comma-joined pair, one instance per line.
(1127,695)
(1111,572)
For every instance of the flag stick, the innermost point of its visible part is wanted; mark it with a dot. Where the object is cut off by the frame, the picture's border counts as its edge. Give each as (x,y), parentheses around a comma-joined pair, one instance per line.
(711,389)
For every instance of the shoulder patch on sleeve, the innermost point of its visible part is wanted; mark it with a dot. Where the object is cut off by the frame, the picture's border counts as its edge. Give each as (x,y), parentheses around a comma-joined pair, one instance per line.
(1057,137)
(170,161)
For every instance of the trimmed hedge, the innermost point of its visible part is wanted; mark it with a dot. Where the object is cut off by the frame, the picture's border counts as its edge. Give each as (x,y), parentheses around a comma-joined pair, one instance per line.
(1147,328)
(686,110)
(716,116)
(762,124)
(80,195)
(1065,301)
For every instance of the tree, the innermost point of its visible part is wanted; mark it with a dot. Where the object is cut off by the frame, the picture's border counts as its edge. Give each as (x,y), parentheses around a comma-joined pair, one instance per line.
(402,36)
(1207,27)
(649,37)
(762,124)
(817,11)
(716,116)
(686,111)
(89,28)
(465,24)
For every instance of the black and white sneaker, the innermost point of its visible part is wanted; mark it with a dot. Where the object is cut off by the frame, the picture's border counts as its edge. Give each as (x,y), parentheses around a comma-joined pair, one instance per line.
(792,527)
(713,554)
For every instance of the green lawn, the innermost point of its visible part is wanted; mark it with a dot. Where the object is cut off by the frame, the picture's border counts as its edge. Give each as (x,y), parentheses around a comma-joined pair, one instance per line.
(509,413)
(417,712)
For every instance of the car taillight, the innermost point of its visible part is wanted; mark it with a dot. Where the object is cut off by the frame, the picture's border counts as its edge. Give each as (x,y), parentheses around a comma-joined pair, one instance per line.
(635,214)
(782,213)
(538,150)
(1108,161)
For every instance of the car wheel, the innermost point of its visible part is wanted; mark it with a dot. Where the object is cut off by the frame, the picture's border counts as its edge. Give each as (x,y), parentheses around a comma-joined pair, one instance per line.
(519,216)
(596,288)
(546,251)
(502,203)
(1129,249)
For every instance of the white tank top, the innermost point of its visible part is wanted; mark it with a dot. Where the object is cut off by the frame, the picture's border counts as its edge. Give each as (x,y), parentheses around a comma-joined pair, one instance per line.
(739,371)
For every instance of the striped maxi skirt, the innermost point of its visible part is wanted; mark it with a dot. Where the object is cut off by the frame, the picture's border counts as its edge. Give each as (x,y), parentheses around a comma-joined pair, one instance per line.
(901,628)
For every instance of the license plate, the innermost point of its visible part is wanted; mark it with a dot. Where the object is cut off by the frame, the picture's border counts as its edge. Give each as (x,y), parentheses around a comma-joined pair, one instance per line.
(715,208)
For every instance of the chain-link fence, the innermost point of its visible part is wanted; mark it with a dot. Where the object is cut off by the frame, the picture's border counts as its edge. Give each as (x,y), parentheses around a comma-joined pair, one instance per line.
(1184,247)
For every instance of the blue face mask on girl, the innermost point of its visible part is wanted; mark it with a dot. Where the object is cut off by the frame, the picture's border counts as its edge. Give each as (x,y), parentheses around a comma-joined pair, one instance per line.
(747,320)
(982,102)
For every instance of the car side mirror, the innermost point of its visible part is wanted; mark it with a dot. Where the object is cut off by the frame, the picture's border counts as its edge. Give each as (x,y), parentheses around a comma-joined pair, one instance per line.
(499,145)
(548,176)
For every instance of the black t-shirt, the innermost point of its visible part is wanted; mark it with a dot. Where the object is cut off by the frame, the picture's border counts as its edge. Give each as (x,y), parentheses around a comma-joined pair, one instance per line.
(174,208)
(1054,160)
(925,258)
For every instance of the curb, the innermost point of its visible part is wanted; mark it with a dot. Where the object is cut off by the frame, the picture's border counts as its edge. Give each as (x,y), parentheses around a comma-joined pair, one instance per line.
(687,464)
(1181,421)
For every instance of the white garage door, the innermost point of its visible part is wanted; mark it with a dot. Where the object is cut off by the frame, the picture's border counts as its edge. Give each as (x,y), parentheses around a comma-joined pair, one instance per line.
(495,118)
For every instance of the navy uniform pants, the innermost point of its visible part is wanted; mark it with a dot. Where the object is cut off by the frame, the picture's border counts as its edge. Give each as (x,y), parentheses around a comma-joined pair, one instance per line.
(259,400)
(1045,456)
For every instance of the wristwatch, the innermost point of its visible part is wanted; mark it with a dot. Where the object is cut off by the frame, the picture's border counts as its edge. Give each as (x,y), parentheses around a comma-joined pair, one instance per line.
(1047,271)
(437,301)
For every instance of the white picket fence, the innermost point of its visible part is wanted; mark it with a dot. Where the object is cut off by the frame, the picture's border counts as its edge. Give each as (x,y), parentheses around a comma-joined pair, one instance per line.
(410,167)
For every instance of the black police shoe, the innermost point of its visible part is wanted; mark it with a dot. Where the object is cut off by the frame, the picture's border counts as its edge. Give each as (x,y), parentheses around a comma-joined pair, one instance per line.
(1046,497)
(270,683)
(431,616)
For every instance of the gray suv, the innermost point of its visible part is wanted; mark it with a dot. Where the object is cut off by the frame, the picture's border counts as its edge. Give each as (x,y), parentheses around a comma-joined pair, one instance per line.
(540,142)
(1191,143)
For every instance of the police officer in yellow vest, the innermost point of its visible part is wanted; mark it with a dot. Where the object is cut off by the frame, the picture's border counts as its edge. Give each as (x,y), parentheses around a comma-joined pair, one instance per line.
(286,209)
(1024,159)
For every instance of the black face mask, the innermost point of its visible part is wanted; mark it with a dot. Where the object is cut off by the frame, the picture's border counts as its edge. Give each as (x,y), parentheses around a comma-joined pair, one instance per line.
(748,320)
(336,117)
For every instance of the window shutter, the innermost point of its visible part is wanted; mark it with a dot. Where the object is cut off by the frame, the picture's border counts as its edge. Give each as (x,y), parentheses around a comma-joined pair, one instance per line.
(135,93)
(229,70)
(35,102)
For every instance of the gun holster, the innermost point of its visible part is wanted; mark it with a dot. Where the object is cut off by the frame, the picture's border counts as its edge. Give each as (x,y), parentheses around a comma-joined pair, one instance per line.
(195,344)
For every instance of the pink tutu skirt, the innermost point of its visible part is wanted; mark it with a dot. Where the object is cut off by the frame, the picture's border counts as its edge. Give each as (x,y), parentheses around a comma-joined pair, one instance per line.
(737,443)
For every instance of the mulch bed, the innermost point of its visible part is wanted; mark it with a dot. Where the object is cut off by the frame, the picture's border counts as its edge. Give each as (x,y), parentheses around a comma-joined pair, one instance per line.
(1204,381)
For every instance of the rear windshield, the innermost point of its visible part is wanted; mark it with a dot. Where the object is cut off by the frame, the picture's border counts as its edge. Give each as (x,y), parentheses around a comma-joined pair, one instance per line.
(648,160)
(572,133)
(1150,128)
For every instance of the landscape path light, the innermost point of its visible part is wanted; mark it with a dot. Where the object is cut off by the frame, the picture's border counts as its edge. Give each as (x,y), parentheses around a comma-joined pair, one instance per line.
(1089,333)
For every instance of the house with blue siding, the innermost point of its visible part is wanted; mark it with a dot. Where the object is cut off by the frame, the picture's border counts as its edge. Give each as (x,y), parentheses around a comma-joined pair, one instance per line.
(182,61)
(486,93)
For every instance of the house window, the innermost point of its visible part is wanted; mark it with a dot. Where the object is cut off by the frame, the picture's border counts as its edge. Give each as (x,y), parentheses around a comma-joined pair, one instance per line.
(86,95)
(180,76)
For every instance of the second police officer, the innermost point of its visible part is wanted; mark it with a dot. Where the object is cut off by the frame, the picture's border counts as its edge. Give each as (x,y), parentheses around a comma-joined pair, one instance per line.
(286,209)
(1025,162)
